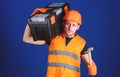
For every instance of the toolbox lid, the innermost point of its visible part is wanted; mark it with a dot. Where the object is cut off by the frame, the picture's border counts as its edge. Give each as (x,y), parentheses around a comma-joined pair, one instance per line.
(58,11)
(39,17)
(56,4)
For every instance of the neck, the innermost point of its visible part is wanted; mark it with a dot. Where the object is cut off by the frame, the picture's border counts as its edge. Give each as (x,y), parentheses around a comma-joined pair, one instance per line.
(69,36)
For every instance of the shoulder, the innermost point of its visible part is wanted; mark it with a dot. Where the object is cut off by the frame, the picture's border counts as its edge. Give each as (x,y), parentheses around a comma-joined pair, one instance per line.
(57,38)
(60,36)
(78,37)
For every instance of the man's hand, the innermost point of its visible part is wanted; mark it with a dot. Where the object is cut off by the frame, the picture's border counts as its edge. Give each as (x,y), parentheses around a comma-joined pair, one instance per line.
(92,70)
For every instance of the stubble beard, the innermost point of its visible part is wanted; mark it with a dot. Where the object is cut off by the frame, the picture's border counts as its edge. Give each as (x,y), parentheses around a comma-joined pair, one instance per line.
(69,34)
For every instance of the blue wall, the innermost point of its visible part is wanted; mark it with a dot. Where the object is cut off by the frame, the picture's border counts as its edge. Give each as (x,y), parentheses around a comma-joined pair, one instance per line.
(100,28)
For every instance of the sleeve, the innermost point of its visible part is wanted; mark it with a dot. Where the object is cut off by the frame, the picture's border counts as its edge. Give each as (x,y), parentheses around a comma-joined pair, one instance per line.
(84,50)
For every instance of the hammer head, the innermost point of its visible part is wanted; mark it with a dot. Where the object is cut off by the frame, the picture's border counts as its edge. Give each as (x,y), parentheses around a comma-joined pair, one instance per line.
(90,49)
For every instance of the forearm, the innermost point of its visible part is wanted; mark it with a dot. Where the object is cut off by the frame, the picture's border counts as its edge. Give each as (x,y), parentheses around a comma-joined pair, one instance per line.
(27,37)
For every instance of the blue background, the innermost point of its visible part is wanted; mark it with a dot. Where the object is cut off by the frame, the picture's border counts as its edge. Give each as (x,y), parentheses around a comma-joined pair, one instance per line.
(100,28)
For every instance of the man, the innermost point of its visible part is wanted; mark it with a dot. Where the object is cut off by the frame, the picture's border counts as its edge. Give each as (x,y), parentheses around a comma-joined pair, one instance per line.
(66,49)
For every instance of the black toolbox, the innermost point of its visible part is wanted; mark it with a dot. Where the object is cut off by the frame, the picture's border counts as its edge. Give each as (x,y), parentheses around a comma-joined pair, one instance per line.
(46,25)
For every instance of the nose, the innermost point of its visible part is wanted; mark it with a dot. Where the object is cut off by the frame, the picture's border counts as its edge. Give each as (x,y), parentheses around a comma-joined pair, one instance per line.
(70,27)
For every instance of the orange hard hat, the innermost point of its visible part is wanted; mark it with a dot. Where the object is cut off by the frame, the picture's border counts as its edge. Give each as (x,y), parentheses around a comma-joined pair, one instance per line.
(73,15)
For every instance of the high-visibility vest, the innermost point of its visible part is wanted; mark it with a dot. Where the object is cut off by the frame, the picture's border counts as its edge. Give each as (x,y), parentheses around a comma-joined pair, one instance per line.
(64,60)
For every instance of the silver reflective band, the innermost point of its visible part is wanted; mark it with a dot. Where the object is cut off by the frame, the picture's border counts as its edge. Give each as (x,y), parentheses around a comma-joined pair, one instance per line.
(64,53)
(53,64)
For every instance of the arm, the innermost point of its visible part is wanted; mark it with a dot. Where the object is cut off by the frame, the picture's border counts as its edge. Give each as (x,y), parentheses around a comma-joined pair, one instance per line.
(92,68)
(27,37)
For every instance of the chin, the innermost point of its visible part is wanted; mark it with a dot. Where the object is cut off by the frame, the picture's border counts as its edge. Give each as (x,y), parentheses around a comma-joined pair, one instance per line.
(69,35)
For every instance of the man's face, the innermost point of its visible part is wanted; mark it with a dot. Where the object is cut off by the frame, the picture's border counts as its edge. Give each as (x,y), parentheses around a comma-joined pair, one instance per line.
(70,28)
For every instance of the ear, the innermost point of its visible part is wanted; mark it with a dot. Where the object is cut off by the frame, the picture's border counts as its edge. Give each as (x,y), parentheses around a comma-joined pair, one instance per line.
(78,27)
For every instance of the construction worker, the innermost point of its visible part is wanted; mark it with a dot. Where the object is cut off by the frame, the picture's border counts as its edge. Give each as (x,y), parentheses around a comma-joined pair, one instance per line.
(66,49)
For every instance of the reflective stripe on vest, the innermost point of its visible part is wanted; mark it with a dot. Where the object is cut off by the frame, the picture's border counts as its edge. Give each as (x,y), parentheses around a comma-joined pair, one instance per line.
(53,64)
(64,53)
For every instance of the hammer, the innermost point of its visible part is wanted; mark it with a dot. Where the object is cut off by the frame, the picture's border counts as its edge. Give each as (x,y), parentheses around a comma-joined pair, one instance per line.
(89,50)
